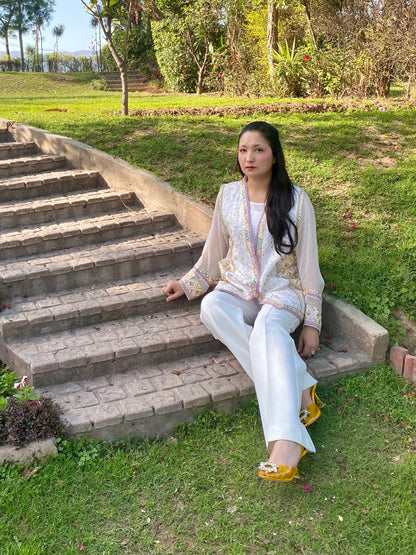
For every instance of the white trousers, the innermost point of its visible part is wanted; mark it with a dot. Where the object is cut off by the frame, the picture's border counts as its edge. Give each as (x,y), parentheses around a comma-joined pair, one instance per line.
(259,337)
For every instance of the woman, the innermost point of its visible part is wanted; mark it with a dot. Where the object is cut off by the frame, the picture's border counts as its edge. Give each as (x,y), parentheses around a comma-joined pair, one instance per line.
(262,253)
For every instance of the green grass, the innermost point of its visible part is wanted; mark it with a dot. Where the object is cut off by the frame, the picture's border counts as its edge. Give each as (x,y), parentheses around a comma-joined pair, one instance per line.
(197,491)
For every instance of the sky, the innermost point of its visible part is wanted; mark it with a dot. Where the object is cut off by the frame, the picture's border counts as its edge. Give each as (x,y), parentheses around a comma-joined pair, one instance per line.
(78,33)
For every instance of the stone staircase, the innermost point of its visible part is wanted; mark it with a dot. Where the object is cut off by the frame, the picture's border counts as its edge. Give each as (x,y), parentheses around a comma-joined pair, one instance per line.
(135,81)
(81,271)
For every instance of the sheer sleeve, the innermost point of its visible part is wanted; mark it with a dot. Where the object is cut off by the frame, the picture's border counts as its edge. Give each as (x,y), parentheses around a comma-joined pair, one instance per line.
(308,262)
(206,271)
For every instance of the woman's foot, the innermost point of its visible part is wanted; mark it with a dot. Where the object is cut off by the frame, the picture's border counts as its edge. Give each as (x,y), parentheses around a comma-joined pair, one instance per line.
(310,406)
(285,453)
(283,461)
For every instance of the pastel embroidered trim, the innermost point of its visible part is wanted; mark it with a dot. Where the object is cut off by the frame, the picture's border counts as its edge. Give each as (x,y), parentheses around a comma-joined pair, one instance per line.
(204,275)
(314,293)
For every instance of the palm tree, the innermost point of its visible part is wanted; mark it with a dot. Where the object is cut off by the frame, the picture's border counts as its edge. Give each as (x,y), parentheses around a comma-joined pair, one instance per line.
(58,31)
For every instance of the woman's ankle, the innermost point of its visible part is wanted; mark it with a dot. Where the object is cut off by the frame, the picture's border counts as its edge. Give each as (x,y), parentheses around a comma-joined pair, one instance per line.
(306,398)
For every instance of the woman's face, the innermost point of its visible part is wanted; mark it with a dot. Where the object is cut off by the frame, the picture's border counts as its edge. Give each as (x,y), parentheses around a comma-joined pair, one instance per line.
(255,156)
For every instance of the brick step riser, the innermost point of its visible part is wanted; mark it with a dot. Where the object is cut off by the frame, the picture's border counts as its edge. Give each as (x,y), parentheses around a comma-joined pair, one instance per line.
(32,168)
(144,306)
(42,246)
(56,214)
(130,89)
(204,343)
(114,271)
(18,152)
(135,81)
(5,136)
(18,192)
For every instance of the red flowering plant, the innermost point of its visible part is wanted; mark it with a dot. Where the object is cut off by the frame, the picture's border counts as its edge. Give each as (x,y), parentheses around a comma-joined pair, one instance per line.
(290,70)
(24,416)
(12,385)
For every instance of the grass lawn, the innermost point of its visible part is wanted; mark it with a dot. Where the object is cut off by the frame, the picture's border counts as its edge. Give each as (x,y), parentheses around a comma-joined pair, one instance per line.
(197,492)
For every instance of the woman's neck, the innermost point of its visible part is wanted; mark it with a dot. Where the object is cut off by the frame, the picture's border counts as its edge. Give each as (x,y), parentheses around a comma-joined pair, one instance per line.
(257,190)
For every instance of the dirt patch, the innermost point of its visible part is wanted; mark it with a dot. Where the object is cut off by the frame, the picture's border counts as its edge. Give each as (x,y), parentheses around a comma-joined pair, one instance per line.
(408,340)
(139,133)
(300,107)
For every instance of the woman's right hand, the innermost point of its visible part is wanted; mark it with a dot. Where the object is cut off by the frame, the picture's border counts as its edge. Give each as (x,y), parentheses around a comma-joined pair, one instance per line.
(173,290)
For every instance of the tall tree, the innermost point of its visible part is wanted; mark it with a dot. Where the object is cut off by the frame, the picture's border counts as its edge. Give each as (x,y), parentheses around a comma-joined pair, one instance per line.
(40,14)
(6,27)
(26,15)
(112,14)
(58,31)
(187,37)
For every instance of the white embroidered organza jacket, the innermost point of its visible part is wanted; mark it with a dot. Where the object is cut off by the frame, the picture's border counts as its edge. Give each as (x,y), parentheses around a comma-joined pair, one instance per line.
(250,268)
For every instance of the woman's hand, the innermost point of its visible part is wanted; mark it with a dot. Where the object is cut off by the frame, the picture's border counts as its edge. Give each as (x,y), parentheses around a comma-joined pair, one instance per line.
(308,341)
(173,290)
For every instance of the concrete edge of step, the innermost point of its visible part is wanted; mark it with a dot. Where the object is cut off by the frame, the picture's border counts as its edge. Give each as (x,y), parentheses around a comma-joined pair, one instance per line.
(366,336)
(26,455)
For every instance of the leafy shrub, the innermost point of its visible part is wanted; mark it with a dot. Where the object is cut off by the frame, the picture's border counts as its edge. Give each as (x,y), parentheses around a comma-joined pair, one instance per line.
(3,428)
(12,385)
(290,70)
(29,420)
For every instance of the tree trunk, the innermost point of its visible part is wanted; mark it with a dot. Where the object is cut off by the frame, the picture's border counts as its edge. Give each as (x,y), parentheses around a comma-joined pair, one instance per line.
(6,40)
(272,30)
(121,65)
(124,92)
(22,56)
(410,83)
(308,19)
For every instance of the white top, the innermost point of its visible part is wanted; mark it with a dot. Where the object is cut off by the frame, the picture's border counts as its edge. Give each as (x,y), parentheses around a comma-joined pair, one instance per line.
(256,212)
(246,264)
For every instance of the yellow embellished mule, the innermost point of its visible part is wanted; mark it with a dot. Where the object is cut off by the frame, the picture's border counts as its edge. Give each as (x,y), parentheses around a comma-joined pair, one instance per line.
(312,412)
(277,472)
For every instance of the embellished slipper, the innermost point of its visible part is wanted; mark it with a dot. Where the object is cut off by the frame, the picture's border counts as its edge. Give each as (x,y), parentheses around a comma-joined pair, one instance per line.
(278,473)
(312,412)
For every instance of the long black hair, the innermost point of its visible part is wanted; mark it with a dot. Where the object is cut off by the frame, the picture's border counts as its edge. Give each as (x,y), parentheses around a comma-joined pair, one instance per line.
(280,196)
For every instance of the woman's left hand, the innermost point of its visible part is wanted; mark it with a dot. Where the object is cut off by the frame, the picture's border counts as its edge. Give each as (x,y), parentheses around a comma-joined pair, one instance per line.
(308,341)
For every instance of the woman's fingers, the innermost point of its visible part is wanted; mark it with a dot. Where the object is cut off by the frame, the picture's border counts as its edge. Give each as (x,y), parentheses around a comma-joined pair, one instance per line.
(172,290)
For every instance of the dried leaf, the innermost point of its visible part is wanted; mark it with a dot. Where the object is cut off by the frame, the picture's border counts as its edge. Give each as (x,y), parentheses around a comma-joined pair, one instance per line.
(29,473)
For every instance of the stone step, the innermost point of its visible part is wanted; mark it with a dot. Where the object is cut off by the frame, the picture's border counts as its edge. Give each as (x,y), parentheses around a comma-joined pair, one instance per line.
(116,75)
(117,80)
(88,306)
(30,165)
(48,183)
(113,347)
(84,231)
(17,150)
(151,400)
(130,87)
(97,264)
(63,207)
